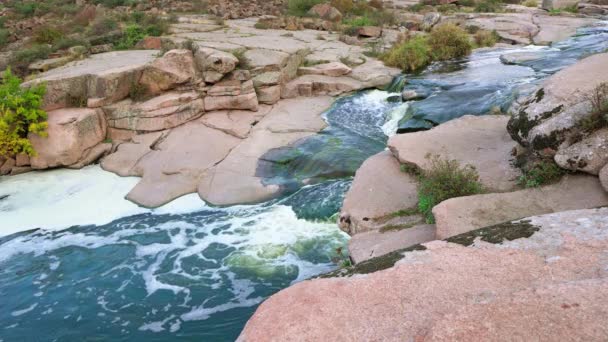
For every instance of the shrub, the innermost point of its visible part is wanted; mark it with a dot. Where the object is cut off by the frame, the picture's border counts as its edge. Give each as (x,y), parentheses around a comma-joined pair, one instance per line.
(449,41)
(598,117)
(530,3)
(486,38)
(300,8)
(445,179)
(488,6)
(25,8)
(47,35)
(32,54)
(467,3)
(132,35)
(358,21)
(20,114)
(542,172)
(101,26)
(410,55)
(68,42)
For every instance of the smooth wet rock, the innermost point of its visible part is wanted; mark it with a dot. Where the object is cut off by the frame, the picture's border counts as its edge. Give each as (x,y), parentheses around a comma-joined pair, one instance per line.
(235,179)
(481,141)
(410,95)
(525,289)
(373,244)
(516,58)
(106,76)
(159,113)
(460,215)
(72,132)
(333,69)
(174,68)
(588,155)
(550,117)
(380,190)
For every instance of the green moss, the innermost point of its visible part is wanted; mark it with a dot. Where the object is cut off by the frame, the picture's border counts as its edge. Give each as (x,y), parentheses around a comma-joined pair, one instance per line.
(497,234)
(541,173)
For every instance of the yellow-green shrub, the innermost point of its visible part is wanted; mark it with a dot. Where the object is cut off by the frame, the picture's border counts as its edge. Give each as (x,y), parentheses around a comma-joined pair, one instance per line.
(449,41)
(20,114)
(409,55)
(485,38)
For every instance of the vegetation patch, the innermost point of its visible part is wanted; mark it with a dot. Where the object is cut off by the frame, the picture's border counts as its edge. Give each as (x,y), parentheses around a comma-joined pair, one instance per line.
(20,114)
(485,38)
(598,117)
(449,41)
(300,8)
(410,55)
(541,173)
(443,180)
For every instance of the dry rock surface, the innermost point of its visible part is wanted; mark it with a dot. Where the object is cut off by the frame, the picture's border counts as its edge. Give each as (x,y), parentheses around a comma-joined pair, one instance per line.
(449,292)
(480,141)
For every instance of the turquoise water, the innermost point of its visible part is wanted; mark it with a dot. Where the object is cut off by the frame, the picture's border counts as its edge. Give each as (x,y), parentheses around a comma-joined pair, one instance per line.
(104,269)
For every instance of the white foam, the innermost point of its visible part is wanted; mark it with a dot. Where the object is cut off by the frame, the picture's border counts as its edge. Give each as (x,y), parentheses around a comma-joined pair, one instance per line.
(62,198)
(17,313)
(392,122)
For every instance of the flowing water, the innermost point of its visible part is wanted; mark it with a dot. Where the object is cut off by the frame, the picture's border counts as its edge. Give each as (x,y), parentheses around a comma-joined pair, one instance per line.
(101,268)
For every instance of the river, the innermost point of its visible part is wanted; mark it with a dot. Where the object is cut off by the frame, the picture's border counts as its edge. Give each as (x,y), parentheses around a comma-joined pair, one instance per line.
(79,262)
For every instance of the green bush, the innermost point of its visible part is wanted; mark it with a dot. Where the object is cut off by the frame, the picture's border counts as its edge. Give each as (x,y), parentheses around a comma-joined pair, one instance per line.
(443,180)
(300,8)
(541,173)
(25,8)
(20,114)
(132,34)
(47,35)
(449,41)
(32,54)
(488,6)
(530,3)
(68,42)
(485,38)
(409,55)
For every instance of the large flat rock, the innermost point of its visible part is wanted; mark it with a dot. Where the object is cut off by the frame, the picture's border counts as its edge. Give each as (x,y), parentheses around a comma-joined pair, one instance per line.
(550,286)
(460,215)
(558,28)
(379,192)
(481,141)
(107,76)
(234,180)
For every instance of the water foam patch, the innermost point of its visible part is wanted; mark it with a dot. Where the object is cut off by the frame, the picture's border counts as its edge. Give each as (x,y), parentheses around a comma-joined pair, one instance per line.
(62,198)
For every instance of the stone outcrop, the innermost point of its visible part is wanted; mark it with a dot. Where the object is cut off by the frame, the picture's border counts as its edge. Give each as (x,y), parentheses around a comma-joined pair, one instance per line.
(430,19)
(588,155)
(518,28)
(231,94)
(558,4)
(214,63)
(176,67)
(446,292)
(103,79)
(162,112)
(460,215)
(326,12)
(379,196)
(550,117)
(454,140)
(333,69)
(72,133)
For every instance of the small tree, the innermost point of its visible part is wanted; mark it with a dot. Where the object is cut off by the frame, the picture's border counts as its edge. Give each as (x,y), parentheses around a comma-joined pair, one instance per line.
(20,114)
